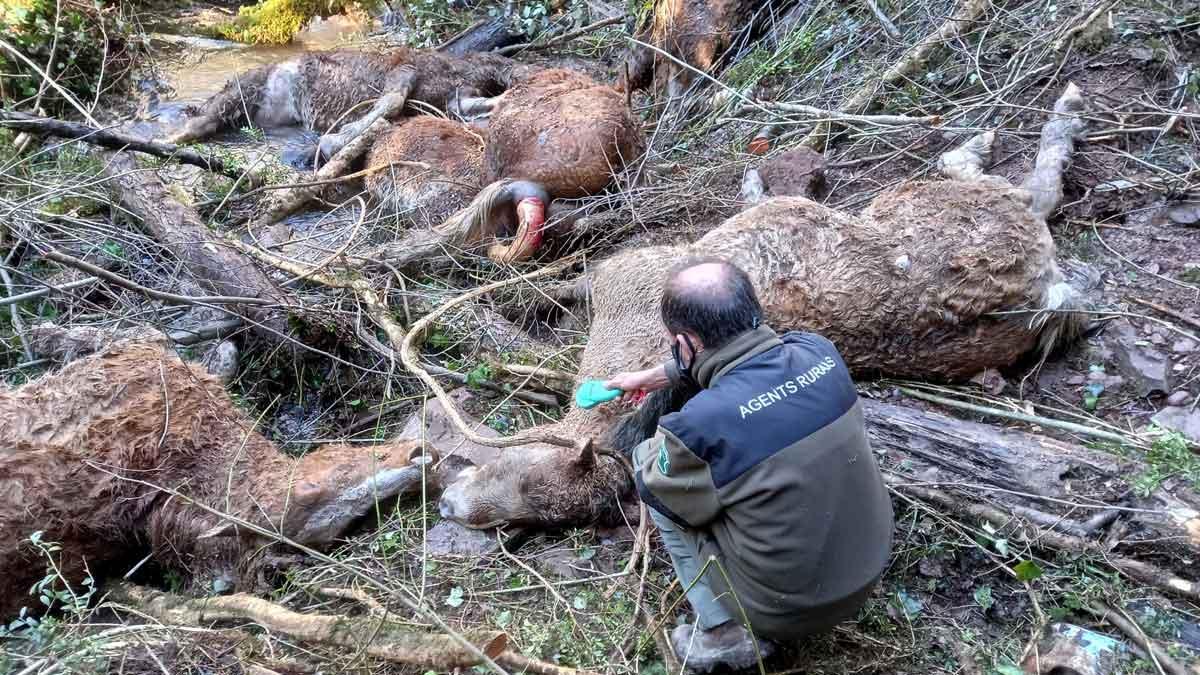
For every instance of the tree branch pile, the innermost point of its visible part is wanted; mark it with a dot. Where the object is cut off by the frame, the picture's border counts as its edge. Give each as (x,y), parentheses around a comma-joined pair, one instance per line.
(377,636)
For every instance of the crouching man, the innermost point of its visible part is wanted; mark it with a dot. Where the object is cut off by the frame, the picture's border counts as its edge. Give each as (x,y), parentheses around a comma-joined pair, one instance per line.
(763,486)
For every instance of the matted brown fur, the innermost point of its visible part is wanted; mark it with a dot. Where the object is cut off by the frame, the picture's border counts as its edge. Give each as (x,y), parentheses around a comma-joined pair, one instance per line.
(697,32)
(906,289)
(563,130)
(75,442)
(454,153)
(324,90)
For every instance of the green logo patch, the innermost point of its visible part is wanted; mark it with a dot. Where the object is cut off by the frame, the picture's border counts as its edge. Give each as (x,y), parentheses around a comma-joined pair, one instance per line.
(664,460)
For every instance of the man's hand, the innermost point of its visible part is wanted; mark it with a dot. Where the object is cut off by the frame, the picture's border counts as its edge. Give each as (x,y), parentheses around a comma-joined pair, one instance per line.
(631,383)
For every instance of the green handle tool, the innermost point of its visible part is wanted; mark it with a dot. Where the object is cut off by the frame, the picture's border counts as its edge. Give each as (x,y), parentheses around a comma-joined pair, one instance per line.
(593,392)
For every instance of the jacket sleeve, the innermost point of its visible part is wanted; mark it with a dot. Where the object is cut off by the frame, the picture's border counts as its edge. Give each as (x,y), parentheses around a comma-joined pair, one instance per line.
(673,375)
(672,480)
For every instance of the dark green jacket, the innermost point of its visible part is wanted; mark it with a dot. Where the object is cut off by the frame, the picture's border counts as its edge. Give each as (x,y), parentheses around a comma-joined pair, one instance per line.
(771,465)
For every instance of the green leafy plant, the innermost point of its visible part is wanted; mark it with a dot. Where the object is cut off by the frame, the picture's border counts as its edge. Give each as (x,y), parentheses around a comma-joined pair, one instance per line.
(1169,456)
(50,634)
(74,41)
(983,597)
(478,375)
(1027,570)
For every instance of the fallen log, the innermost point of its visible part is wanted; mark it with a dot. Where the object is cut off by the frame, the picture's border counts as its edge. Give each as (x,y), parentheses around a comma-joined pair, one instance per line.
(116,140)
(376,636)
(563,38)
(206,257)
(1057,494)
(482,36)
(62,344)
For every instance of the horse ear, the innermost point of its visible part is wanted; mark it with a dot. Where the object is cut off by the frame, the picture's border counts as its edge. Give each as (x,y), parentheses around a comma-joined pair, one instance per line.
(587,454)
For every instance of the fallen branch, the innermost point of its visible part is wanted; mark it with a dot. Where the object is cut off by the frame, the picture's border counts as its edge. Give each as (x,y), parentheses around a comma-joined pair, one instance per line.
(1194,323)
(116,140)
(534,371)
(1069,35)
(410,357)
(204,256)
(316,183)
(171,298)
(1022,417)
(484,35)
(29,295)
(913,60)
(1135,569)
(63,344)
(1164,661)
(548,400)
(884,20)
(383,639)
(560,39)
(813,111)
(286,202)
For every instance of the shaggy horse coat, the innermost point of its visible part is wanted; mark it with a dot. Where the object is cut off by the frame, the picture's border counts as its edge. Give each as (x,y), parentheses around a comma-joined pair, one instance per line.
(91,456)
(325,91)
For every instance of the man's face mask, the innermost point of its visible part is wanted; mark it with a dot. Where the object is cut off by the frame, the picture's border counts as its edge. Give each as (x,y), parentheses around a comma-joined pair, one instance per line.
(685,371)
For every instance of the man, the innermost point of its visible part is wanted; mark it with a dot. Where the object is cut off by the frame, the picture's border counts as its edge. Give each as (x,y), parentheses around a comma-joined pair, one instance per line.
(767,471)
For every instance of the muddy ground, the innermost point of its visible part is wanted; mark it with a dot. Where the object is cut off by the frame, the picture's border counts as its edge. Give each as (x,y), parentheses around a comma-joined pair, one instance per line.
(1130,225)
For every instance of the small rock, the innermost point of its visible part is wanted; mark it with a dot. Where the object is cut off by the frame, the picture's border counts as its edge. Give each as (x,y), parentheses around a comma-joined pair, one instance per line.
(1110,382)
(1148,369)
(448,538)
(1183,420)
(1153,268)
(1184,346)
(563,563)
(1179,398)
(434,427)
(222,361)
(1185,214)
(1141,53)
(1076,380)
(990,380)
(275,235)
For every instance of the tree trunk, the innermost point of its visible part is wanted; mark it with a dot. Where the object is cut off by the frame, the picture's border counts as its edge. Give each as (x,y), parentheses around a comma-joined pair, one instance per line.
(204,255)
(1064,488)
(482,36)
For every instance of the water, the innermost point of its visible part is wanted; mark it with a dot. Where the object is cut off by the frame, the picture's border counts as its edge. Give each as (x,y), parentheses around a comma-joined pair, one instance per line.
(205,64)
(194,68)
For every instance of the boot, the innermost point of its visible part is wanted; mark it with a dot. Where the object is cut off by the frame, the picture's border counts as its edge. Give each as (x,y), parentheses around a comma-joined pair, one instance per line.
(729,644)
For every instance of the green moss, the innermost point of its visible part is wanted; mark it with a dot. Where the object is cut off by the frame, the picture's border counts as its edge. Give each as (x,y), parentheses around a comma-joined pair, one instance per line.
(278,21)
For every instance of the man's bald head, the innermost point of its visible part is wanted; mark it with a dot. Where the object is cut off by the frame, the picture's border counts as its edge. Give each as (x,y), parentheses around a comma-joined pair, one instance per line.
(712,299)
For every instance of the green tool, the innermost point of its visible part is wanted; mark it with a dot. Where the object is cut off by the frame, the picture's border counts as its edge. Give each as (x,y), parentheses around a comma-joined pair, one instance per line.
(593,392)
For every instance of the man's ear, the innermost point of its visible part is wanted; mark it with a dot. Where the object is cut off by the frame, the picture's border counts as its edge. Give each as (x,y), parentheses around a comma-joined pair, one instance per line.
(689,350)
